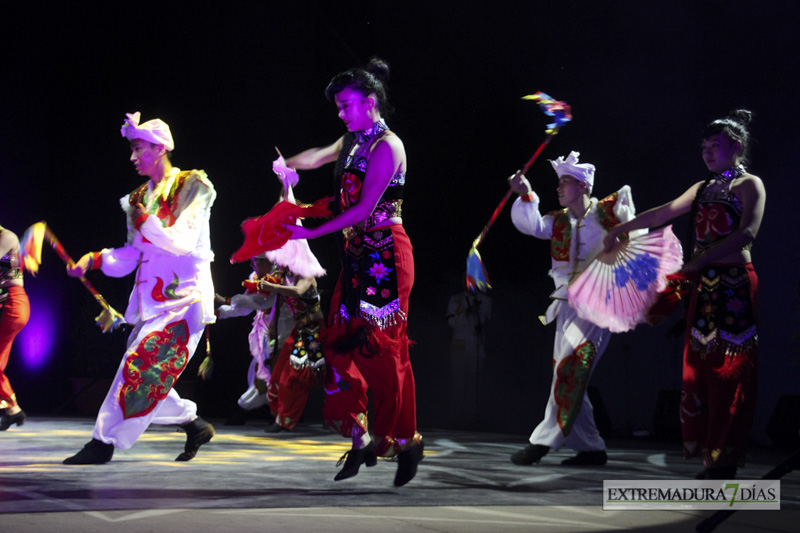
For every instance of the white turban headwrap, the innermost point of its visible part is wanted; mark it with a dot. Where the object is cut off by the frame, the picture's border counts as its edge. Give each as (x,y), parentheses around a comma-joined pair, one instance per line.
(580,171)
(154,131)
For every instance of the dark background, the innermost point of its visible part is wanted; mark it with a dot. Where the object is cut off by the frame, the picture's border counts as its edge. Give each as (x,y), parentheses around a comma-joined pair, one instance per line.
(234,80)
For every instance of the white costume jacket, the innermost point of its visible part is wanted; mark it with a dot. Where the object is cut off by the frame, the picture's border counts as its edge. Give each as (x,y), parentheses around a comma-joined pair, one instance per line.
(578,344)
(171,247)
(573,245)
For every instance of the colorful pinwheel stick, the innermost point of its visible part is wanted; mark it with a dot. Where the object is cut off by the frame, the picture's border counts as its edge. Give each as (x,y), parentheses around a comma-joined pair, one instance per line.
(477,278)
(560,111)
(31,255)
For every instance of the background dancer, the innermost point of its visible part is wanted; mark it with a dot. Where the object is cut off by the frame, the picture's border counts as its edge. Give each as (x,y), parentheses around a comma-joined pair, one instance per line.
(262,344)
(300,362)
(721,345)
(168,247)
(576,237)
(367,341)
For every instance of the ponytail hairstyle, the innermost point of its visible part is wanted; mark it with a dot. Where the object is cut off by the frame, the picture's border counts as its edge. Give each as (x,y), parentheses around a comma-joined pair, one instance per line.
(372,79)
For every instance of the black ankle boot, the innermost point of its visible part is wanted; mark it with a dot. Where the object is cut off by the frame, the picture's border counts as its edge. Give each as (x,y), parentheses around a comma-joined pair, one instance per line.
(96,452)
(9,420)
(721,472)
(590,458)
(198,432)
(530,454)
(353,459)
(275,428)
(407,462)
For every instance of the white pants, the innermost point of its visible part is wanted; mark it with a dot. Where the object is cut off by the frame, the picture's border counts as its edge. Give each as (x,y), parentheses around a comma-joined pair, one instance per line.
(252,398)
(569,417)
(111,427)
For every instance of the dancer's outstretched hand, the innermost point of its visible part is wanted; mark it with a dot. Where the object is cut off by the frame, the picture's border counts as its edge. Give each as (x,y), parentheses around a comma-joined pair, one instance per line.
(519,184)
(610,239)
(79,268)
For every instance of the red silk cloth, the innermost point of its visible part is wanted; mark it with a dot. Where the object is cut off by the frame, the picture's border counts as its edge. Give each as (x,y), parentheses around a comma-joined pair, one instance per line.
(268,232)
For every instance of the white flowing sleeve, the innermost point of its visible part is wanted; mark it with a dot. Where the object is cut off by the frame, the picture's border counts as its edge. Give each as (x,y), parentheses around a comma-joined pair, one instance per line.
(119,262)
(624,209)
(244,304)
(528,220)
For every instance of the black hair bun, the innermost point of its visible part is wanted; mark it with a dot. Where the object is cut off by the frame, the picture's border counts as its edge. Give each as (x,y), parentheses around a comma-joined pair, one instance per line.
(378,68)
(742,116)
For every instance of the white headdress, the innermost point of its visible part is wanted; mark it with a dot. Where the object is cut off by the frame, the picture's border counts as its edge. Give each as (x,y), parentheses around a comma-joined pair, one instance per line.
(580,171)
(155,131)
(297,256)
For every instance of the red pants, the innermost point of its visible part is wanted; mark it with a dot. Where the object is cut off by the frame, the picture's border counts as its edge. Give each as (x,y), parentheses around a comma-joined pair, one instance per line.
(387,373)
(288,388)
(720,383)
(13,317)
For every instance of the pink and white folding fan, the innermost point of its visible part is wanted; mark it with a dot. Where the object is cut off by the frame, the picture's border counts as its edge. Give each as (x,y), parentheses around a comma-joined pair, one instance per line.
(617,288)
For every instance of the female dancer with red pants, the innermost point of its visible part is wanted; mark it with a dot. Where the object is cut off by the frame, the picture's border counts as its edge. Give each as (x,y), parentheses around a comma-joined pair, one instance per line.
(721,348)
(367,342)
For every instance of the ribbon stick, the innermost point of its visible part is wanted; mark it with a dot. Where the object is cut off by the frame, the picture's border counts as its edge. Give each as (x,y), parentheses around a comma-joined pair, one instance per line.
(477,278)
(31,254)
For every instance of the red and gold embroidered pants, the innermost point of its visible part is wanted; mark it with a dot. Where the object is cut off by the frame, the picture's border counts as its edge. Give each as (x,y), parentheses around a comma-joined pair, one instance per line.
(384,369)
(720,376)
(289,387)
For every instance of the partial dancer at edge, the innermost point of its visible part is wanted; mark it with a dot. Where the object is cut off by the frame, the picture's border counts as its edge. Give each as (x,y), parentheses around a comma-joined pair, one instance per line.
(367,341)
(15,310)
(168,246)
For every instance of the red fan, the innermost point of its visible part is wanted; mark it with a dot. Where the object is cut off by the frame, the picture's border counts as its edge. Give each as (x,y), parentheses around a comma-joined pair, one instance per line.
(268,232)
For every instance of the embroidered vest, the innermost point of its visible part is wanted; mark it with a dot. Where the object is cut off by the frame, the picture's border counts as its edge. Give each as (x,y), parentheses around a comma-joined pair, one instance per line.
(562,229)
(719,213)
(167,199)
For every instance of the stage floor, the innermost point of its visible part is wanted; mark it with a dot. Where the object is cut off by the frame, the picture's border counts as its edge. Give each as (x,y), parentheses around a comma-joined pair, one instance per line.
(246,480)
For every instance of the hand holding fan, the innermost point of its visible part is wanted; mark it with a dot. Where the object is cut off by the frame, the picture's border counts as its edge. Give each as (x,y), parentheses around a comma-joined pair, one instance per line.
(268,232)
(619,286)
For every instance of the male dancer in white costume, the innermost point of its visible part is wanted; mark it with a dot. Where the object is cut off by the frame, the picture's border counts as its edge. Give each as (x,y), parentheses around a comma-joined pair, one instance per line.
(168,246)
(576,236)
